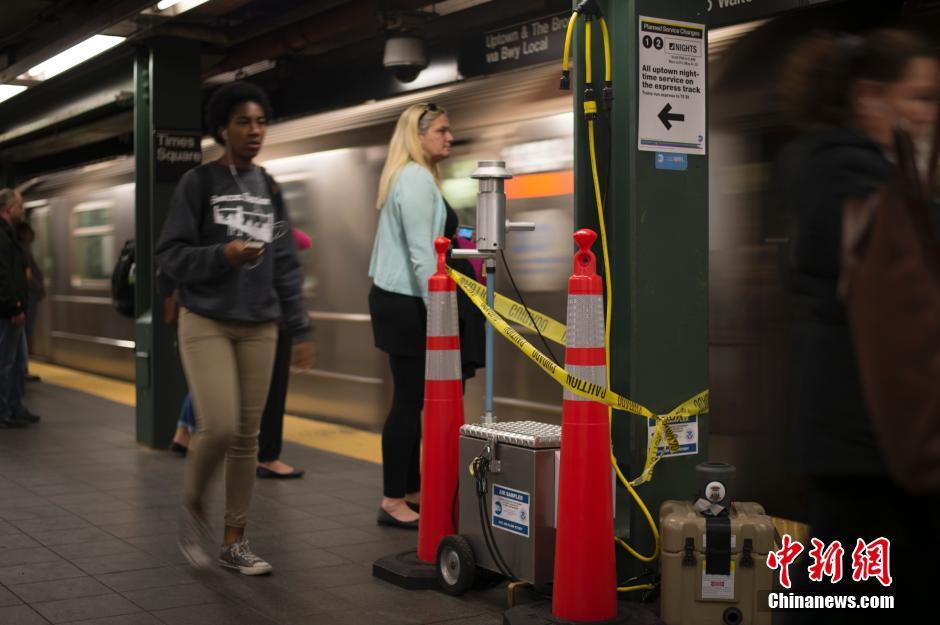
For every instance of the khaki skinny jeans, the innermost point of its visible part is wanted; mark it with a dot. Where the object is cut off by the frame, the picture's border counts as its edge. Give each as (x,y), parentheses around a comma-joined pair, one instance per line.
(228,367)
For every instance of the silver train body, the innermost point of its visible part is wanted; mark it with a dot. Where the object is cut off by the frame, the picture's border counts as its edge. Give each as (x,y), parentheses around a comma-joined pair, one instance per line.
(329,165)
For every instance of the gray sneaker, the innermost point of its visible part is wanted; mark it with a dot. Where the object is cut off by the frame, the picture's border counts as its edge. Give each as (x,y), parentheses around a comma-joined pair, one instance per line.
(239,556)
(194,537)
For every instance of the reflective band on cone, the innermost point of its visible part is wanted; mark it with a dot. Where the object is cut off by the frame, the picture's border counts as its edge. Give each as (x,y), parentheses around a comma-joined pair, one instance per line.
(443,410)
(585,581)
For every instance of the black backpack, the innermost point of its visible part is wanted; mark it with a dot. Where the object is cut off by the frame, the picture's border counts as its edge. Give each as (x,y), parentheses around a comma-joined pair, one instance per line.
(122,281)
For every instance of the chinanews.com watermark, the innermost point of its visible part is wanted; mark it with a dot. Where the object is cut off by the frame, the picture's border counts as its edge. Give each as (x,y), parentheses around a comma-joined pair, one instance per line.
(790,601)
(871,561)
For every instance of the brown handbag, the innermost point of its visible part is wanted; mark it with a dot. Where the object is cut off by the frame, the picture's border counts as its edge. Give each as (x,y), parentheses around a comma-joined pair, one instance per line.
(171,309)
(891,285)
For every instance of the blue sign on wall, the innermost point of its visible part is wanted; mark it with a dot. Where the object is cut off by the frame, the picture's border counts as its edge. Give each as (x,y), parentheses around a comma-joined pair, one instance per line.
(672,161)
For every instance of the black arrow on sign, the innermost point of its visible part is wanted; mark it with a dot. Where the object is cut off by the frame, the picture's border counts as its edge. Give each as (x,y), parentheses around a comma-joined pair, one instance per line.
(665,116)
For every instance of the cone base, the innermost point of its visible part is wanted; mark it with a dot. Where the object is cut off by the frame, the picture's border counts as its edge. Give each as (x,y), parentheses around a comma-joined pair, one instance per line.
(406,571)
(540,613)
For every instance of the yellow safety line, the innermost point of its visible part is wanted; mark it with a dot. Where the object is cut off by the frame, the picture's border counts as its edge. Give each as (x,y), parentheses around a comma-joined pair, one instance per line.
(331,437)
(97,385)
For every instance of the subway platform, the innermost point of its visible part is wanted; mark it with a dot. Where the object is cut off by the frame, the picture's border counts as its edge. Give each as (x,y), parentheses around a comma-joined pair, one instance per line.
(88,521)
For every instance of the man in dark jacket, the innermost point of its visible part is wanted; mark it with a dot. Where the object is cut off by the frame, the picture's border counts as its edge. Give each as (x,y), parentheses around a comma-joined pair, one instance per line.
(35,282)
(13,301)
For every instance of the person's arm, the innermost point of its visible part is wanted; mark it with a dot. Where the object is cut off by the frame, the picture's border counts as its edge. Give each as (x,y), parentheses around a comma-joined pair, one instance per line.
(9,305)
(180,253)
(289,279)
(37,284)
(418,201)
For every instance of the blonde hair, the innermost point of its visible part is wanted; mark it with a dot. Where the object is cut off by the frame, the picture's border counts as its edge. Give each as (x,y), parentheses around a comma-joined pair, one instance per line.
(405,147)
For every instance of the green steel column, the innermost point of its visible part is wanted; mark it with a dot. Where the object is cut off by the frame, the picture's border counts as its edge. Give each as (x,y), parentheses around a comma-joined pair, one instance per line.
(167,97)
(657,228)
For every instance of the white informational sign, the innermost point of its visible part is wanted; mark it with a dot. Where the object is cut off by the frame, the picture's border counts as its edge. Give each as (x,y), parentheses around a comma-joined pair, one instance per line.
(511,510)
(686,431)
(718,587)
(672,86)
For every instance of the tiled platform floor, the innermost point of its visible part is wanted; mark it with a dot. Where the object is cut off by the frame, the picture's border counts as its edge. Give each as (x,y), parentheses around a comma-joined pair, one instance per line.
(87,535)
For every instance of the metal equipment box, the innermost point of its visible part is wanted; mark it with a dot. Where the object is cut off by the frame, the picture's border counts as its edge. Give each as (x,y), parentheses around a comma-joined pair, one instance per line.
(520,497)
(689,596)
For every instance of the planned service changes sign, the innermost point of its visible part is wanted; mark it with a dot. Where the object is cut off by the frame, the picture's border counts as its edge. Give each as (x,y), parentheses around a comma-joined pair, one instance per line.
(672,86)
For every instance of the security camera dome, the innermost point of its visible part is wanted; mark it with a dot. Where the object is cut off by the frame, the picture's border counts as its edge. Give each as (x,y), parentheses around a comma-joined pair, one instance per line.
(405,55)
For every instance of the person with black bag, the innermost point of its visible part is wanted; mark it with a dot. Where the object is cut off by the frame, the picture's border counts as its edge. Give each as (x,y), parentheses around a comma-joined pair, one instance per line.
(413,213)
(850,95)
(236,278)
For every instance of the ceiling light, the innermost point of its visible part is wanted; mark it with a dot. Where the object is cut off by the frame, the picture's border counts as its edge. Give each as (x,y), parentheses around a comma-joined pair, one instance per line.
(172,8)
(77,54)
(8,91)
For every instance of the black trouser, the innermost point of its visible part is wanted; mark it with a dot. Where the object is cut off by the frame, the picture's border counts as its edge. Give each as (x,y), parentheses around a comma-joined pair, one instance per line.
(272,419)
(401,436)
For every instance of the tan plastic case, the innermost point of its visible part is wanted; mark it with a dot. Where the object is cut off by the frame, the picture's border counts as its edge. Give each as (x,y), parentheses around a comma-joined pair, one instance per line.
(689,597)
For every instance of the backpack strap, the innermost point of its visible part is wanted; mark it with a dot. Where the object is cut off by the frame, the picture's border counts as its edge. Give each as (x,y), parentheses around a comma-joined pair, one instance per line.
(205,185)
(276,195)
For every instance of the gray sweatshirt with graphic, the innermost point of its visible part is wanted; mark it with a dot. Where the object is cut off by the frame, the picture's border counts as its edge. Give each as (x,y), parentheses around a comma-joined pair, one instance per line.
(210,208)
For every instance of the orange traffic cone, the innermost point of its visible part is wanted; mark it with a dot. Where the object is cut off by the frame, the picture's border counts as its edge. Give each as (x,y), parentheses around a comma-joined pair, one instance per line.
(443,410)
(585,582)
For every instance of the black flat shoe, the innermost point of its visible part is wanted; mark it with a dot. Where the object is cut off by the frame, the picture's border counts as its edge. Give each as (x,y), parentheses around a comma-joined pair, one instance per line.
(178,449)
(384,518)
(264,473)
(414,506)
(29,417)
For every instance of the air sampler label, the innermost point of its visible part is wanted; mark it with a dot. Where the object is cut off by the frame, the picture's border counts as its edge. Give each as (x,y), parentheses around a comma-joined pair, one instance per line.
(672,86)
(511,510)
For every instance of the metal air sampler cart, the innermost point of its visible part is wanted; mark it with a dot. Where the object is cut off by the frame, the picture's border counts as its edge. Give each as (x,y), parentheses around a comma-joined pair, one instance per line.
(508,471)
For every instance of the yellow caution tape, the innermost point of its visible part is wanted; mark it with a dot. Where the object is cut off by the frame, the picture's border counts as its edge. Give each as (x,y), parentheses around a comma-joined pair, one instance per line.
(514,311)
(694,406)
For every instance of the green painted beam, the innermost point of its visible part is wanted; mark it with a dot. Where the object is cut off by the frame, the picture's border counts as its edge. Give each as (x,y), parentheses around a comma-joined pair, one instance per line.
(657,228)
(167,97)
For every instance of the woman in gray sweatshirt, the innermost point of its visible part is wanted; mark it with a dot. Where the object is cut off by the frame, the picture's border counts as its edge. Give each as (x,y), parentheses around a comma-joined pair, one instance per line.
(237,278)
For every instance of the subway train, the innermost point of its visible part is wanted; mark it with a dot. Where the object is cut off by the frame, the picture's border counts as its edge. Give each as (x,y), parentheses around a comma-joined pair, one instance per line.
(328,165)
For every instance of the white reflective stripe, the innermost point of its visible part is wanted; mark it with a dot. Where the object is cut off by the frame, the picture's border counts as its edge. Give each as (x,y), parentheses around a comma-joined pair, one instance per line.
(585,321)
(442,314)
(596,374)
(442,365)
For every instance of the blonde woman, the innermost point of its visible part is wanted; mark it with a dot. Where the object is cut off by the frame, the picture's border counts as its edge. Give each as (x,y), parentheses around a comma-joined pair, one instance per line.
(413,214)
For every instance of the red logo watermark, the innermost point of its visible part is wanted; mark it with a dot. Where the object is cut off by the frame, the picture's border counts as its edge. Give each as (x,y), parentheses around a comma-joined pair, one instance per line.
(869,560)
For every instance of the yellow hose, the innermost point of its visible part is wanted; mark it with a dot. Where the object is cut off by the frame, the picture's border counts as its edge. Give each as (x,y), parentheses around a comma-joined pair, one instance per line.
(633,588)
(607,326)
(609,288)
(565,58)
(587,53)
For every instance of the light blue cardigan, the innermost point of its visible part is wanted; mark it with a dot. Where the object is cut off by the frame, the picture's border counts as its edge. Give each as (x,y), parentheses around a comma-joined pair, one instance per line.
(403,256)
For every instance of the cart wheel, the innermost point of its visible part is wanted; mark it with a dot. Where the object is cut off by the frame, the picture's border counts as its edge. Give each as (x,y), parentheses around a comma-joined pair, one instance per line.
(456,566)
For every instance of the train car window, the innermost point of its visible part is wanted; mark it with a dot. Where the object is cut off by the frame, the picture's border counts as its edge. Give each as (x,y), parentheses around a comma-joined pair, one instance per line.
(93,244)
(296,195)
(38,214)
